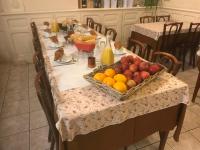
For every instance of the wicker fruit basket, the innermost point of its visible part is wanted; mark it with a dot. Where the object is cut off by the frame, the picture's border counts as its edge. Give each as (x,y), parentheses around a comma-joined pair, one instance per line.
(116,94)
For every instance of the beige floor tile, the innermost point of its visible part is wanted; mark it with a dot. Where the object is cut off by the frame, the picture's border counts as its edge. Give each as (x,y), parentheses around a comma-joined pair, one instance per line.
(148,141)
(195,109)
(18,96)
(14,108)
(196,133)
(187,142)
(132,147)
(13,125)
(191,121)
(39,139)
(155,147)
(15,142)
(37,119)
(35,105)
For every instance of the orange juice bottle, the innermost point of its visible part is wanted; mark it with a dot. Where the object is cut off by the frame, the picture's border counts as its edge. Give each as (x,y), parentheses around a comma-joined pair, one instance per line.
(54,26)
(107,56)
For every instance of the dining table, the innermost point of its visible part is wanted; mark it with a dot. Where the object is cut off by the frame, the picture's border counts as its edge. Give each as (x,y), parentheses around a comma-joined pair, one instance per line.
(151,33)
(90,119)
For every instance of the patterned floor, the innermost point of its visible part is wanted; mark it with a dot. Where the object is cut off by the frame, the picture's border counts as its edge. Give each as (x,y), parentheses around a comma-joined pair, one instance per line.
(23,125)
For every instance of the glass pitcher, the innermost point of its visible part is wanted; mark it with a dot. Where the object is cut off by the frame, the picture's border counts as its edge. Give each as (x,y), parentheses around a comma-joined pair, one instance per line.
(107,56)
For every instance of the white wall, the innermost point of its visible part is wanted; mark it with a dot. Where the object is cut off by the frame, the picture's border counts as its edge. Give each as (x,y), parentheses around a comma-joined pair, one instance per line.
(37,5)
(182,4)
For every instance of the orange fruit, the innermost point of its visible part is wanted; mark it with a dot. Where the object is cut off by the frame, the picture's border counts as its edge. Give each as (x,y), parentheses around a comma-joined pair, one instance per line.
(120,78)
(120,86)
(109,72)
(109,81)
(99,76)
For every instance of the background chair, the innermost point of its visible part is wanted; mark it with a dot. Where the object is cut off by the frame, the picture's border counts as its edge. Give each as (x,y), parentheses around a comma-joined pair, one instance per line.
(190,44)
(163,18)
(97,27)
(44,101)
(90,22)
(169,40)
(198,82)
(147,19)
(168,60)
(112,32)
(139,48)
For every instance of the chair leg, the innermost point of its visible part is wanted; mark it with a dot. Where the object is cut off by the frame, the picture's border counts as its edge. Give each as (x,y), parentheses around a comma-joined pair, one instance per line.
(163,139)
(49,135)
(196,88)
(125,148)
(52,144)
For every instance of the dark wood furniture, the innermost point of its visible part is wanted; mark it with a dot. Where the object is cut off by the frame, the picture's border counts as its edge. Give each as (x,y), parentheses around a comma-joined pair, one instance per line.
(197,83)
(168,60)
(131,131)
(97,27)
(90,22)
(112,32)
(169,39)
(44,98)
(139,48)
(192,41)
(163,18)
(147,19)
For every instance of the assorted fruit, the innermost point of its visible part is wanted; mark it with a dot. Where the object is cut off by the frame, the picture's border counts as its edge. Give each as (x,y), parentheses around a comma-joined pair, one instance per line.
(127,73)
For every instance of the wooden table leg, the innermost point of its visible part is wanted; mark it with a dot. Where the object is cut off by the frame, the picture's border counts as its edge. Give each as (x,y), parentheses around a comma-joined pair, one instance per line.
(163,139)
(180,122)
(196,88)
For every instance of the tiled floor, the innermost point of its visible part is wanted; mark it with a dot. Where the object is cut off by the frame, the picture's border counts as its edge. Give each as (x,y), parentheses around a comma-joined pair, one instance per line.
(23,125)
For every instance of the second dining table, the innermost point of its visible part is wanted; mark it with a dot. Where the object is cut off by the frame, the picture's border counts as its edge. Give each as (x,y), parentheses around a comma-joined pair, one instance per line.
(89,119)
(151,33)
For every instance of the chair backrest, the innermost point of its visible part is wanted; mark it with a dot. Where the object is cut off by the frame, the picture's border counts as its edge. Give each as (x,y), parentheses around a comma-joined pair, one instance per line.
(163,18)
(97,27)
(147,19)
(168,60)
(44,101)
(170,35)
(90,22)
(193,38)
(112,32)
(139,48)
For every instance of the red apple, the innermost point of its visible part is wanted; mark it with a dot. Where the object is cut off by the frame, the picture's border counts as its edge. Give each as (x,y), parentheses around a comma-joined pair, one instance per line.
(144,74)
(128,74)
(144,66)
(124,60)
(118,69)
(137,60)
(137,78)
(125,66)
(154,68)
(130,59)
(133,67)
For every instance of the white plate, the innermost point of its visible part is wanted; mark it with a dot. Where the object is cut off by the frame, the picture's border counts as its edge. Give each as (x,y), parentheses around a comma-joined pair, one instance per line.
(121,51)
(50,44)
(65,59)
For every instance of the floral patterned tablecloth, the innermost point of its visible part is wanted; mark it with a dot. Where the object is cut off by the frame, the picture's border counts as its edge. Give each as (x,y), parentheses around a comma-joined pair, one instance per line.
(155,30)
(84,109)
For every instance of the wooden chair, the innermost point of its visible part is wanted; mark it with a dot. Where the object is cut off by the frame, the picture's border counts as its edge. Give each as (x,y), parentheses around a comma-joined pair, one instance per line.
(44,99)
(169,39)
(97,27)
(197,83)
(168,60)
(163,18)
(190,44)
(139,48)
(90,22)
(112,32)
(147,19)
